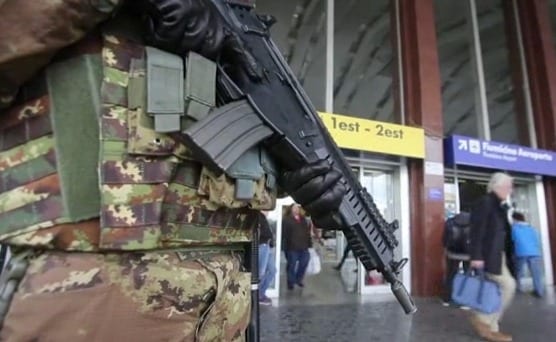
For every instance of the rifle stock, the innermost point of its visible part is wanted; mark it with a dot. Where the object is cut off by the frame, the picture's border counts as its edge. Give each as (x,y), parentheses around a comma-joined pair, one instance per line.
(276,111)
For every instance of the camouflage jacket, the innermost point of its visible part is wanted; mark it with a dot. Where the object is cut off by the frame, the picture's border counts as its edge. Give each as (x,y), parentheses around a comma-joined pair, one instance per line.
(134,188)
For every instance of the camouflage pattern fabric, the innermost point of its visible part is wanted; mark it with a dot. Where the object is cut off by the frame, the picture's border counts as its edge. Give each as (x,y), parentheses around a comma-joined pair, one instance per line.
(30,196)
(156,296)
(32,31)
(81,236)
(149,183)
(31,203)
(149,201)
(221,188)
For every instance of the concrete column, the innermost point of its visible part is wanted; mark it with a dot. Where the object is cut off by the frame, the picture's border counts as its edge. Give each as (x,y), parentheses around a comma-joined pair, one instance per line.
(540,59)
(422,103)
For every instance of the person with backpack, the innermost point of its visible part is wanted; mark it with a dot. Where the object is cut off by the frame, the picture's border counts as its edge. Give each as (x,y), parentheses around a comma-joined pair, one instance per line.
(456,250)
(527,249)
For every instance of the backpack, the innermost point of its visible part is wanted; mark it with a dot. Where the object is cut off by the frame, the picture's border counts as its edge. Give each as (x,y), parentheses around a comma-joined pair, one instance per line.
(457,233)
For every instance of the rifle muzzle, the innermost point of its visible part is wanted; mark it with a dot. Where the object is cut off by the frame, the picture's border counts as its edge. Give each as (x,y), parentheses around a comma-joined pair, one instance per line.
(403,297)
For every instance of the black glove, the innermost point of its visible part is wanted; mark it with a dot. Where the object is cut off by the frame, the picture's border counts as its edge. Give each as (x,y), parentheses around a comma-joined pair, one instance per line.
(315,187)
(179,26)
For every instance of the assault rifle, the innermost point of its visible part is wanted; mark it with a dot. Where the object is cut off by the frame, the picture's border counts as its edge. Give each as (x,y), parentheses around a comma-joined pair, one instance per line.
(275,111)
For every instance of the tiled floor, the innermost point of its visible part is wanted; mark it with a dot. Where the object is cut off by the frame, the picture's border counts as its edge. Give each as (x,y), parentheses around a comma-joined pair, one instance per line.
(323,311)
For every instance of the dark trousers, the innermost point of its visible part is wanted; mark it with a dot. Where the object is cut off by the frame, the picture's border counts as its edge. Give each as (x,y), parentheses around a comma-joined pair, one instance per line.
(344,257)
(296,266)
(535,268)
(452,267)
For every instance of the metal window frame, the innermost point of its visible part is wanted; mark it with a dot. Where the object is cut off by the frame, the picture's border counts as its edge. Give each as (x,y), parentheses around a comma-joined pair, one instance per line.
(483,121)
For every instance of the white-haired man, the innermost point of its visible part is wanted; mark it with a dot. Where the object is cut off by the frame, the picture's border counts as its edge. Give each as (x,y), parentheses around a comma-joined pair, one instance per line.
(490,238)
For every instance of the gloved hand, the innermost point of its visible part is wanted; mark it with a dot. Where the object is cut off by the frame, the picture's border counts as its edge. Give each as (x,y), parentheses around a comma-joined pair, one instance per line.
(315,187)
(179,26)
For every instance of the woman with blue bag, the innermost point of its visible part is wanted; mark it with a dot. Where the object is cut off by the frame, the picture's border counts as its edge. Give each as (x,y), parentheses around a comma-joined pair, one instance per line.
(491,252)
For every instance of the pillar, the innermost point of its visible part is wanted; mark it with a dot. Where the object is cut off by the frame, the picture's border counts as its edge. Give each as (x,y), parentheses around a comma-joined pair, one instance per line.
(540,58)
(422,101)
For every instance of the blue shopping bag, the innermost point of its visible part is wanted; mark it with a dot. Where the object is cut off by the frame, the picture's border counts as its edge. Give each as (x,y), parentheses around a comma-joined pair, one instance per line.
(475,291)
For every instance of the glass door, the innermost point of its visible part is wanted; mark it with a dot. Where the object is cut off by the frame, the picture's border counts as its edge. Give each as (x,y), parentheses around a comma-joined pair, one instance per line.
(390,191)
(275,220)
(525,200)
(349,268)
(380,184)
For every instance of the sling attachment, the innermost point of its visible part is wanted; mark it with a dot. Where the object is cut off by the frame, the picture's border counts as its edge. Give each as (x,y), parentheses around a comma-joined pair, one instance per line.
(10,279)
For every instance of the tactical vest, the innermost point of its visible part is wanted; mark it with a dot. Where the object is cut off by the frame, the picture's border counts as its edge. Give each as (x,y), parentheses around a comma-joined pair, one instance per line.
(87,161)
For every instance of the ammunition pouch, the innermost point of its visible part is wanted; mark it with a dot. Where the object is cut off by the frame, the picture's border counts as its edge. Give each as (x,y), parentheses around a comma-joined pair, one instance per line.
(151,187)
(251,180)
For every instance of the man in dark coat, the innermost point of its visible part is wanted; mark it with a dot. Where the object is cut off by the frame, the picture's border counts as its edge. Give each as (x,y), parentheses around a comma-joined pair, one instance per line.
(490,250)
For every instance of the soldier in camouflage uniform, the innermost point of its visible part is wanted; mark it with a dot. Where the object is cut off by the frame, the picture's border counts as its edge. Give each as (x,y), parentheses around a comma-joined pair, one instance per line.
(125,234)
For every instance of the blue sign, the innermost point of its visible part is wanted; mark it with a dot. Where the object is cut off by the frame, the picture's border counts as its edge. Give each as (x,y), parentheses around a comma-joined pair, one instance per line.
(436,194)
(461,150)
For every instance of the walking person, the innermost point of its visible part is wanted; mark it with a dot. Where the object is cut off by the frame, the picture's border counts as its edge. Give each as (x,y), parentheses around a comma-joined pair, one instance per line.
(527,250)
(490,252)
(267,267)
(297,241)
(344,257)
(456,251)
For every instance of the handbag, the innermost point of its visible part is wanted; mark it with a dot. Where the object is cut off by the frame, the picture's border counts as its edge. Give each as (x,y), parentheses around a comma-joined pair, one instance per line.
(475,291)
(314,263)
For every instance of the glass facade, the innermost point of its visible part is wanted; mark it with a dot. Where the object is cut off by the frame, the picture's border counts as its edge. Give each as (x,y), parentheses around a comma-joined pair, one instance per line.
(477,91)
(300,33)
(363,60)
(472,35)
(459,82)
(497,71)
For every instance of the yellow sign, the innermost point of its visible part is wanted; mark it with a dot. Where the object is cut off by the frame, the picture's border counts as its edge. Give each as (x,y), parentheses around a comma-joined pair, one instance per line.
(375,136)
